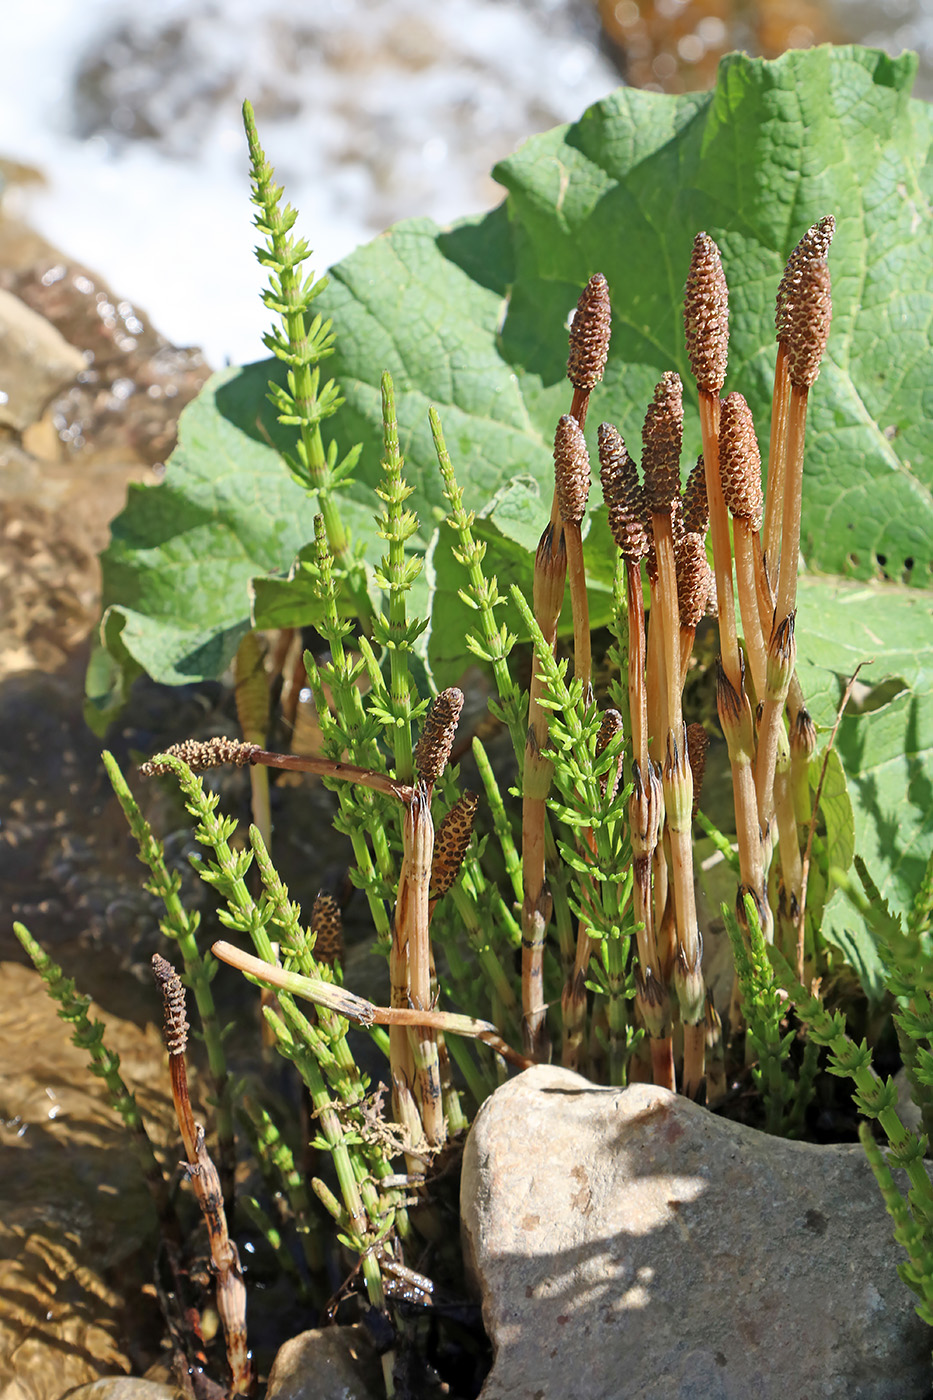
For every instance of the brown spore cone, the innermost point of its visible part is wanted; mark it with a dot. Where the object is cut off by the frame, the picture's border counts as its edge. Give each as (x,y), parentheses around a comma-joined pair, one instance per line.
(571,470)
(706,315)
(740,460)
(432,752)
(808,324)
(589,335)
(693,579)
(814,244)
(622,492)
(696,505)
(662,437)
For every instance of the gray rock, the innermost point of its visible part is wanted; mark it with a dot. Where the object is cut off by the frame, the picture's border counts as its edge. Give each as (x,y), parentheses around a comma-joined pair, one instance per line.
(327,1363)
(629,1245)
(35,362)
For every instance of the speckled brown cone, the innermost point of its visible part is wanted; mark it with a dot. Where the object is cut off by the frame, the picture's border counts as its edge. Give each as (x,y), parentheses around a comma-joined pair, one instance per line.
(327,925)
(451,841)
(662,436)
(432,752)
(622,492)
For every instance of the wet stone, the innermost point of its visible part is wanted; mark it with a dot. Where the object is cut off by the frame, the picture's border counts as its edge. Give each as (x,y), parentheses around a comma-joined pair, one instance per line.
(629,1245)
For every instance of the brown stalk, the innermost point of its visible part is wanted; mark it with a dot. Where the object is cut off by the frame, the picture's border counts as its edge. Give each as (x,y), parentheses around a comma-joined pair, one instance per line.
(706,324)
(412,915)
(625,505)
(225,1261)
(549,575)
(807,312)
(572,488)
(201,755)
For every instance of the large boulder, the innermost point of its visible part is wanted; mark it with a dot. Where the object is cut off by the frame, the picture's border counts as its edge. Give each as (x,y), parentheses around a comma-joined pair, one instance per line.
(629,1245)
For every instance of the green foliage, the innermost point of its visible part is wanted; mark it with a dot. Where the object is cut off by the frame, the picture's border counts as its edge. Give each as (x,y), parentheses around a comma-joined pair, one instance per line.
(764,1007)
(469,318)
(904,948)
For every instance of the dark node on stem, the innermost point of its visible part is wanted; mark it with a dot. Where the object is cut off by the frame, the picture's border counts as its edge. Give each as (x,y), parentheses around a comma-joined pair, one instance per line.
(450,844)
(549,577)
(803,734)
(202,754)
(782,655)
(432,752)
(740,460)
(697,745)
(695,504)
(740,912)
(571,469)
(693,579)
(706,315)
(808,320)
(734,714)
(589,335)
(662,437)
(814,244)
(175,1026)
(327,926)
(622,492)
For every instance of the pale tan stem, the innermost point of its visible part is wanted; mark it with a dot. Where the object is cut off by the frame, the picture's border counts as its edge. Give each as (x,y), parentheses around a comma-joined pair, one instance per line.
(579,602)
(774,497)
(363,1012)
(745,551)
(669,618)
(412,914)
(786,591)
(719,530)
